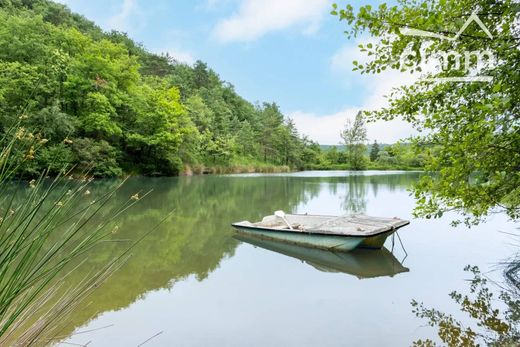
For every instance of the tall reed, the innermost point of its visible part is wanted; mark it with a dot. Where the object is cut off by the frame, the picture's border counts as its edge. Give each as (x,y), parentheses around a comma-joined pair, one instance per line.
(41,237)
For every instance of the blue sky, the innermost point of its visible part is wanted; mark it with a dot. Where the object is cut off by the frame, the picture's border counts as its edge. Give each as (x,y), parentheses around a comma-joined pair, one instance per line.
(292,52)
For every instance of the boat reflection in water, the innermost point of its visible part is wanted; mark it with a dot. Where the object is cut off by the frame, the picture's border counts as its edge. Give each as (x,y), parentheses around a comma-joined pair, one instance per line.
(362,263)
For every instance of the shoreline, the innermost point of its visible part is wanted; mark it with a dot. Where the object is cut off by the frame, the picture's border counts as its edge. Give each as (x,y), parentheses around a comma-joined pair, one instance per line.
(373,168)
(244,169)
(233,169)
(217,170)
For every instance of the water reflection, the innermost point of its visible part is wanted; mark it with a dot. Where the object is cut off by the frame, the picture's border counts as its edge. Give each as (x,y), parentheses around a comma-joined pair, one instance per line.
(495,321)
(362,263)
(198,237)
(193,242)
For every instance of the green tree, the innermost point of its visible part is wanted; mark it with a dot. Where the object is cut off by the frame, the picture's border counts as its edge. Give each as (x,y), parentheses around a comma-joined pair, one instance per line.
(159,130)
(289,144)
(246,141)
(98,158)
(386,159)
(354,137)
(474,126)
(374,151)
(216,150)
(271,119)
(97,120)
(312,153)
(199,113)
(52,123)
(332,155)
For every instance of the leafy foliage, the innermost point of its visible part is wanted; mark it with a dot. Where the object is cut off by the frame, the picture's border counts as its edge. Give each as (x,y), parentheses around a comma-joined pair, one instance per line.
(103,101)
(473,127)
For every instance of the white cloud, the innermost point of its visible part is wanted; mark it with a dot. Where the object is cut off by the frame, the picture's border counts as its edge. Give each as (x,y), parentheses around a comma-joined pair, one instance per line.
(171,43)
(325,128)
(122,21)
(256,18)
(180,55)
(211,4)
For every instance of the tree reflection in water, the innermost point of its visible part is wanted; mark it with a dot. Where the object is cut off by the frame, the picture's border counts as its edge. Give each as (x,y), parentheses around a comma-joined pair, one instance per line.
(358,185)
(198,236)
(491,326)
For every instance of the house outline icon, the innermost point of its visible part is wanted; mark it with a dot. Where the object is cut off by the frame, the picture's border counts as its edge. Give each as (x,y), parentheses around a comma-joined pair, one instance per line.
(424,33)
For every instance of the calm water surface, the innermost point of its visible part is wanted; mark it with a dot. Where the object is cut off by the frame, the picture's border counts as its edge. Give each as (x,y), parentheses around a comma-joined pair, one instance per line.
(194,283)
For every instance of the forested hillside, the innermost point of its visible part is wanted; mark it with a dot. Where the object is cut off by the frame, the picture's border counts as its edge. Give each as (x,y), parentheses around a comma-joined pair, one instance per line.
(102,102)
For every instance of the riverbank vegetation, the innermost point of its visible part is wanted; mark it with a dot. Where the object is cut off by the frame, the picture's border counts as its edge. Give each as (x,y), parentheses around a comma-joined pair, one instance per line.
(106,104)
(355,154)
(398,156)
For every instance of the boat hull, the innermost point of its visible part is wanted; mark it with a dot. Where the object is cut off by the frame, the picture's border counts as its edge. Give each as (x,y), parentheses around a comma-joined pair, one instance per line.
(343,233)
(329,242)
(376,241)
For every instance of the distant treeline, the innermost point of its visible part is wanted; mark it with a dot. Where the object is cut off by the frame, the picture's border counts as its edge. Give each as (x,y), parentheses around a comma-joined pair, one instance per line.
(402,156)
(103,103)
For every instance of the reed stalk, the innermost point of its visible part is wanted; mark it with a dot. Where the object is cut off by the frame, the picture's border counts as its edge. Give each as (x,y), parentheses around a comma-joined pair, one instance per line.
(41,237)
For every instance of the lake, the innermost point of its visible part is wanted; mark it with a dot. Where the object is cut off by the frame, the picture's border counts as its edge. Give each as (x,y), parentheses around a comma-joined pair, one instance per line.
(191,282)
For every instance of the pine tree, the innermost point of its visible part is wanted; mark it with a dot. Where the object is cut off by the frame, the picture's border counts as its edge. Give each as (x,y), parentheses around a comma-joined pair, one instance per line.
(374,151)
